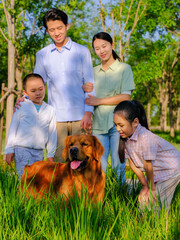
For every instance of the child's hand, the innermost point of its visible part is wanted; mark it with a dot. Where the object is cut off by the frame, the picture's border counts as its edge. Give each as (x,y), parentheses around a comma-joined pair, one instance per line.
(17,104)
(142,196)
(151,196)
(9,158)
(51,159)
(87,87)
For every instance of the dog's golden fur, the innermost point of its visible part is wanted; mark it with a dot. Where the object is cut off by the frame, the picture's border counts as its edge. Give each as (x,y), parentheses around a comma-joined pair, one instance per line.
(82,168)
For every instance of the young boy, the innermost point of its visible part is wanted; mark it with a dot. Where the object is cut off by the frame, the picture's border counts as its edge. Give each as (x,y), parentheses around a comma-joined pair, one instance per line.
(32,128)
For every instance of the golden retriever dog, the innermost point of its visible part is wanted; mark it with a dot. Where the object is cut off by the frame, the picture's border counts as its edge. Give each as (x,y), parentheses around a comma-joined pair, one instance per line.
(81,170)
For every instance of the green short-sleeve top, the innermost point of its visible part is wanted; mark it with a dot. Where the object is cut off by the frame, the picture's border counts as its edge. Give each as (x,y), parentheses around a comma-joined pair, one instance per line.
(118,78)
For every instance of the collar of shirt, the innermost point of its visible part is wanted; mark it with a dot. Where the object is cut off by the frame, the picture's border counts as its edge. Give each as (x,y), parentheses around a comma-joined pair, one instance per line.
(113,66)
(135,134)
(67,46)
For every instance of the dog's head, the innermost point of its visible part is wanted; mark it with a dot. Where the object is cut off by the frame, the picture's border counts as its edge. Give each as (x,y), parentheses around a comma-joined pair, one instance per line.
(80,150)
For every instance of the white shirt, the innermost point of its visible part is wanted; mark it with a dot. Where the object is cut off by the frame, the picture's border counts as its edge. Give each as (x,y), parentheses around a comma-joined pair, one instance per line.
(32,129)
(65,72)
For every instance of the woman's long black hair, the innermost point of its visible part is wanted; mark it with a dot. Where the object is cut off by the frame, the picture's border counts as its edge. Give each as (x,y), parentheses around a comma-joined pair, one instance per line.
(105,36)
(130,110)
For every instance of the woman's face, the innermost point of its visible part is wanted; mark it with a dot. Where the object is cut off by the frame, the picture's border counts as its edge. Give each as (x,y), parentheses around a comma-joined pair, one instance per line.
(103,49)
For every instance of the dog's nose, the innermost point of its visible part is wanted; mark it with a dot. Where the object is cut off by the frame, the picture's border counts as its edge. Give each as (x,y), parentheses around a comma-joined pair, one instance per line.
(74,151)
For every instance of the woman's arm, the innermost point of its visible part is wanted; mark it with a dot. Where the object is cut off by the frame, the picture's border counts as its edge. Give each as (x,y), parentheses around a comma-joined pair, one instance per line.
(114,100)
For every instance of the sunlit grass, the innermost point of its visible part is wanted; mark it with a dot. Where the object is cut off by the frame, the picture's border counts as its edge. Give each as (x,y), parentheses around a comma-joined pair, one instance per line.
(117,218)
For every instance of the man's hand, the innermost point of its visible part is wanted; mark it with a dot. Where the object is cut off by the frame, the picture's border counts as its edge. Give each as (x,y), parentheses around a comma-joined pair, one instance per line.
(9,158)
(86,122)
(18,103)
(51,159)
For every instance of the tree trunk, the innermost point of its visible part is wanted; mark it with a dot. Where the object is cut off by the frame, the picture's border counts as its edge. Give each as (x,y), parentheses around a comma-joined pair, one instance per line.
(11,67)
(149,113)
(163,109)
(11,83)
(19,74)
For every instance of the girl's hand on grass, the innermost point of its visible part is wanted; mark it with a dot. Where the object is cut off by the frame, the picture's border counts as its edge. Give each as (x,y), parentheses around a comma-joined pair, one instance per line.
(142,196)
(9,158)
(87,87)
(151,196)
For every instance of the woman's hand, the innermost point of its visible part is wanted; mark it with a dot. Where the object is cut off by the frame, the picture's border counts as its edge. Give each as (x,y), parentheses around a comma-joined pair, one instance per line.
(87,87)
(92,100)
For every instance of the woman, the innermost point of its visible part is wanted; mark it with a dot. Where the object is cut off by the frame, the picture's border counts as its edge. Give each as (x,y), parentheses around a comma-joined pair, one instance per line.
(113,84)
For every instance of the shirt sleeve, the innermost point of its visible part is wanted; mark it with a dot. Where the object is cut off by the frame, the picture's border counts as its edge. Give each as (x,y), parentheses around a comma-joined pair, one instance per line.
(39,66)
(88,76)
(52,138)
(127,79)
(11,141)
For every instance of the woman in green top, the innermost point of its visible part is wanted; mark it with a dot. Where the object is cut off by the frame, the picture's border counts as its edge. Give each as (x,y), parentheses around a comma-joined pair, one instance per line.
(113,84)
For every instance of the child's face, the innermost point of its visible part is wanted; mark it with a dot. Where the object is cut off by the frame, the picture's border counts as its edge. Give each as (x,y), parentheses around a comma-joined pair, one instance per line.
(57,30)
(103,49)
(35,90)
(124,127)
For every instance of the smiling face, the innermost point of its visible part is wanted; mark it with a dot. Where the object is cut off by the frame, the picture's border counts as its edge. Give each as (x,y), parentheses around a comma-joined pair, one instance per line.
(103,50)
(35,90)
(57,30)
(123,126)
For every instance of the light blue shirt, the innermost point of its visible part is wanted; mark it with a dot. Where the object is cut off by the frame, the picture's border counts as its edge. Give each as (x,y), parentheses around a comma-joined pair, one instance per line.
(65,72)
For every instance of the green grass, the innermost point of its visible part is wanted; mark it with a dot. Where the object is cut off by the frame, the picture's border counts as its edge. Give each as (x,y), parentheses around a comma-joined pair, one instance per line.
(118,218)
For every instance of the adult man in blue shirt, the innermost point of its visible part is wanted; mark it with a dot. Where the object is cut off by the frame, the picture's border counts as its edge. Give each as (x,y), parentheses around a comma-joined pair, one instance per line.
(65,66)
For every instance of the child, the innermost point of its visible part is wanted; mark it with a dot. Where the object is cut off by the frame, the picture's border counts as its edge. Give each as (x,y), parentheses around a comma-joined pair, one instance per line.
(147,153)
(32,127)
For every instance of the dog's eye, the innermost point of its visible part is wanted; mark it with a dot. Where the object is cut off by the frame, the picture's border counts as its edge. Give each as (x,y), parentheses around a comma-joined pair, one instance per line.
(71,144)
(84,144)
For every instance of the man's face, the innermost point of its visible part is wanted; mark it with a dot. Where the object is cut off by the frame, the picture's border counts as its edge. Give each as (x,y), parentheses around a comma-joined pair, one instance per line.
(57,30)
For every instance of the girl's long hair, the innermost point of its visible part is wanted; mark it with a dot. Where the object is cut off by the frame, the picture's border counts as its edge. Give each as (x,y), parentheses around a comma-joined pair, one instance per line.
(130,110)
(105,36)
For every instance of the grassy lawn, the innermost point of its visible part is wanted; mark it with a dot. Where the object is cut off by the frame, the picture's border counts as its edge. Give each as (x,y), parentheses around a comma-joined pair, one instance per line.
(117,218)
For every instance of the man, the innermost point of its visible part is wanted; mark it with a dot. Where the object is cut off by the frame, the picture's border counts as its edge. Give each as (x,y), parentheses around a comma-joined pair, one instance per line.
(65,66)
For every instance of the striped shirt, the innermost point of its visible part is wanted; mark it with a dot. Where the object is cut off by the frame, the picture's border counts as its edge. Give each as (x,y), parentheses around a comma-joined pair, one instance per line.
(144,145)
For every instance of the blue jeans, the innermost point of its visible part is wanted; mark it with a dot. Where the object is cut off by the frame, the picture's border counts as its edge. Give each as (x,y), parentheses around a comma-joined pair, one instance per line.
(110,142)
(26,156)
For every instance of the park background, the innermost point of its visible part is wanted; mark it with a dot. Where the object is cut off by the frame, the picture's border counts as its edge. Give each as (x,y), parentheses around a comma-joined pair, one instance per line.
(146,34)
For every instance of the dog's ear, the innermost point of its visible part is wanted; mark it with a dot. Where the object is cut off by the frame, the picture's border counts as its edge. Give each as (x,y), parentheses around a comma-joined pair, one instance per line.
(66,148)
(99,149)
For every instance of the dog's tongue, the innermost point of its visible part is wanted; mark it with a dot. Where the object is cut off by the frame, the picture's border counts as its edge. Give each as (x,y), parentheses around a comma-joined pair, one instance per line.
(75,164)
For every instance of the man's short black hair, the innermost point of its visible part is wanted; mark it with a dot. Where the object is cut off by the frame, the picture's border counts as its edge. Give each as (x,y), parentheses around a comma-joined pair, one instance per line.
(55,14)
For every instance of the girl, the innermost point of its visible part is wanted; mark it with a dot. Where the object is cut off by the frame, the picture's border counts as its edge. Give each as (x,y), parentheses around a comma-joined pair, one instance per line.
(113,84)
(147,153)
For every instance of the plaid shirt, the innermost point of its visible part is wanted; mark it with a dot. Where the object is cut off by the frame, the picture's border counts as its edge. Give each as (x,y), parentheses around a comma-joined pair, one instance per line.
(144,145)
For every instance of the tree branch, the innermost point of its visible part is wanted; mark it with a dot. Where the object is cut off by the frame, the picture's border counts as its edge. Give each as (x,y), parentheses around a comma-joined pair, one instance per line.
(101,16)
(136,19)
(3,34)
